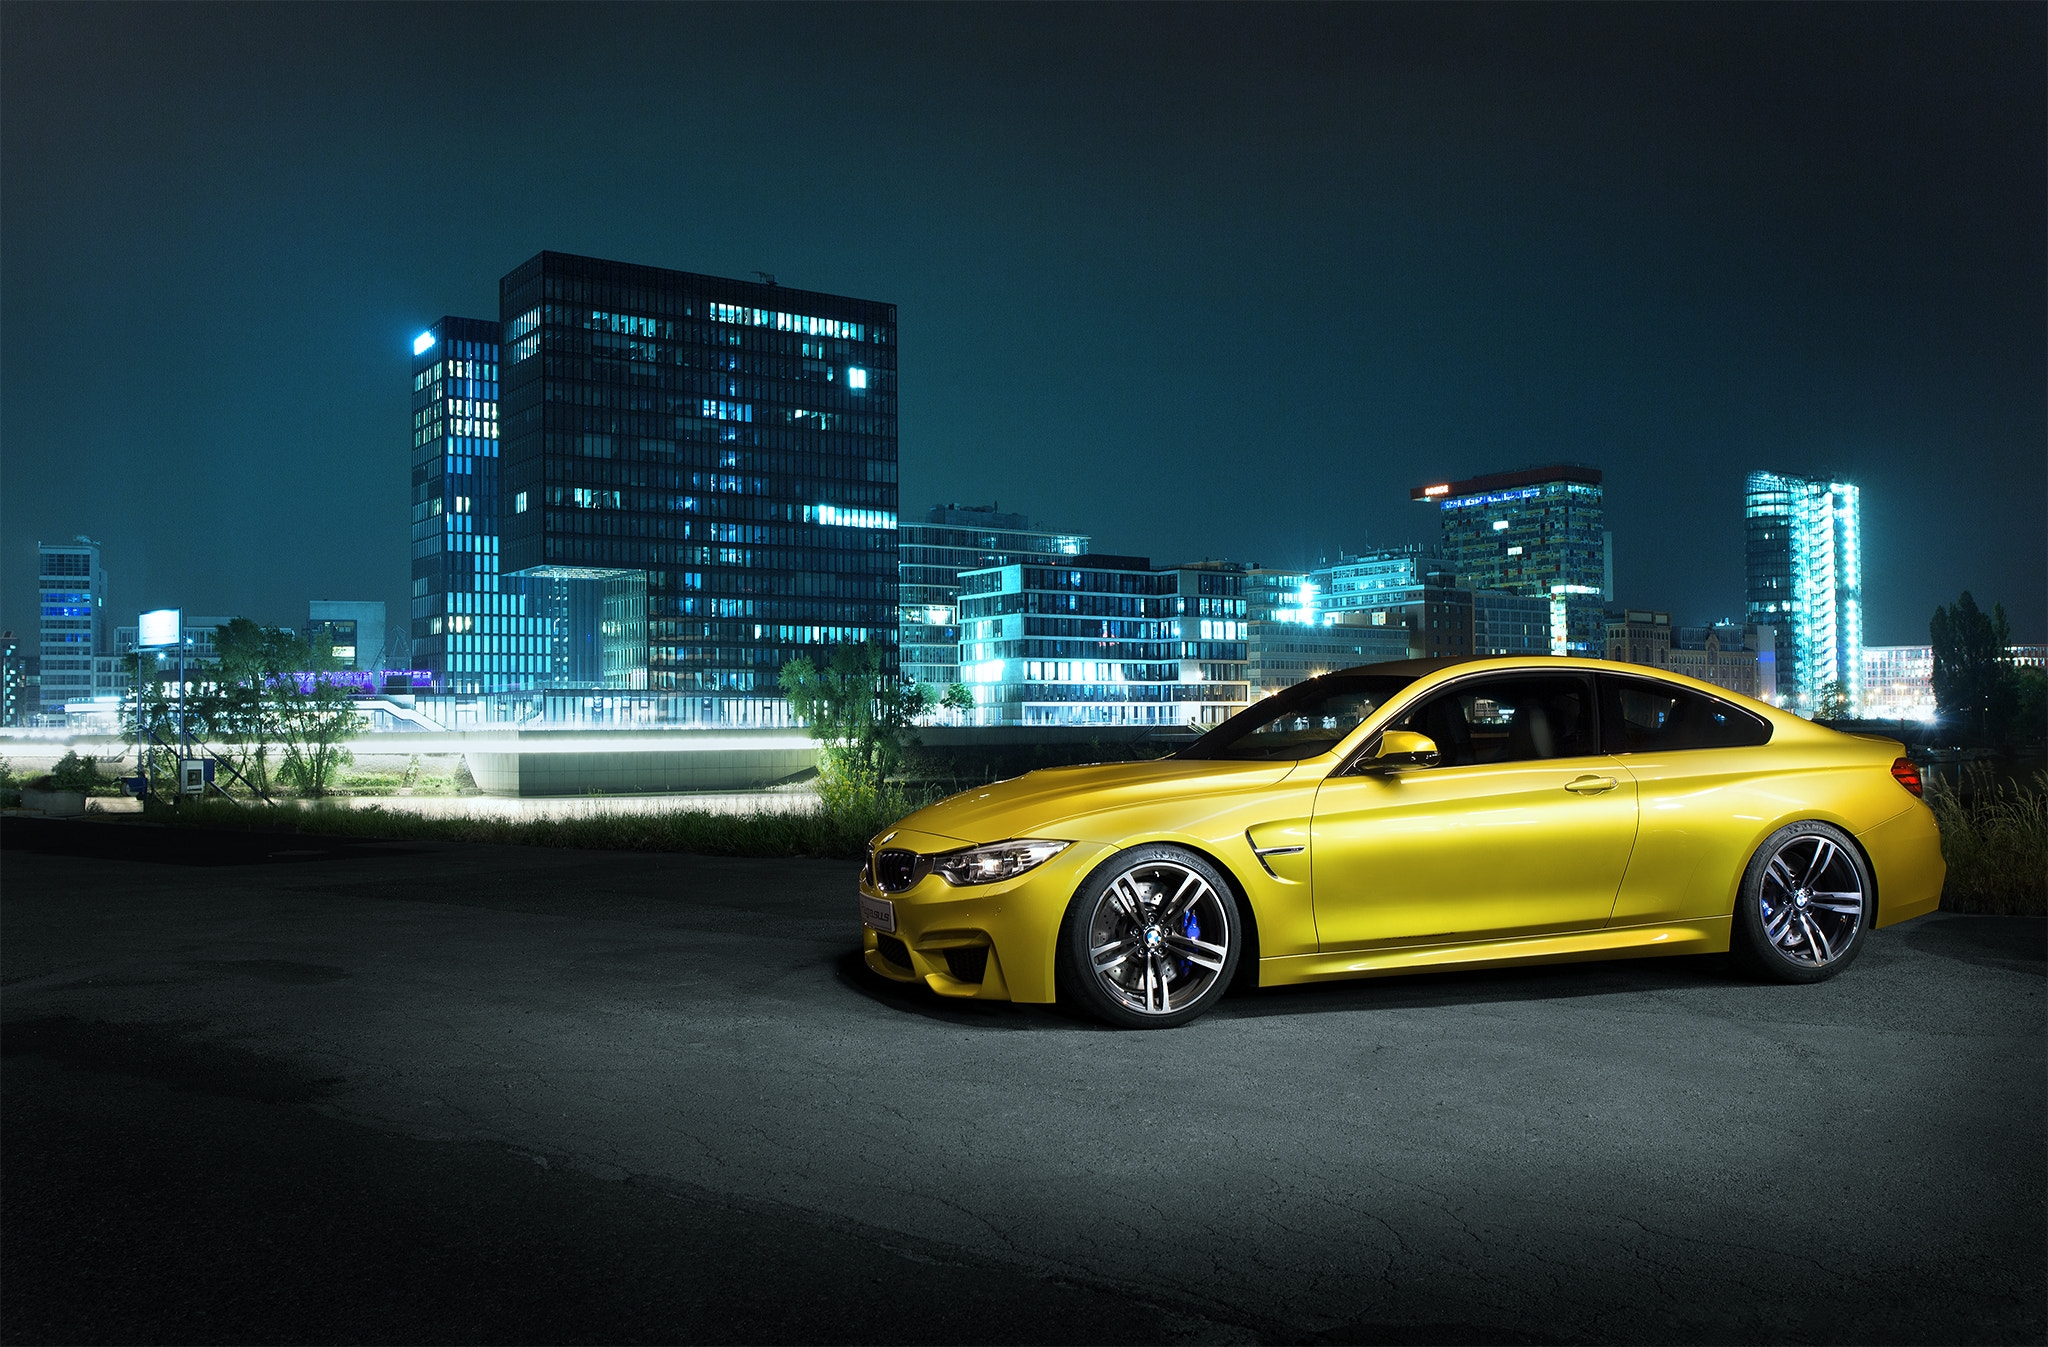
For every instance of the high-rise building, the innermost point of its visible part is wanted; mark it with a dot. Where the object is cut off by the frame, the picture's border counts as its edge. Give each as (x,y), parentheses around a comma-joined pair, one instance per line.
(1803,557)
(350,632)
(1406,587)
(933,555)
(71,594)
(1282,596)
(1540,533)
(1510,624)
(14,686)
(717,457)
(1104,640)
(474,631)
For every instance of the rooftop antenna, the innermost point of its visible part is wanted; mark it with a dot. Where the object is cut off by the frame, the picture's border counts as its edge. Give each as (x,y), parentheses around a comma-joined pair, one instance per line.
(767,277)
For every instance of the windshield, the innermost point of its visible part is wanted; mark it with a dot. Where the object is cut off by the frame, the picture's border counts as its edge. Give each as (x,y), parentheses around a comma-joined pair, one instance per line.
(1305,720)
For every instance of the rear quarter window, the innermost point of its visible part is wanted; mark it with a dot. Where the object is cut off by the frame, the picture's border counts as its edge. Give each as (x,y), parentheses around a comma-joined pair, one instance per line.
(1640,716)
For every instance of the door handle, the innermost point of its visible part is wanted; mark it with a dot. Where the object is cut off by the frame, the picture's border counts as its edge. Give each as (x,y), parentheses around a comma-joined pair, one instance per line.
(1591,785)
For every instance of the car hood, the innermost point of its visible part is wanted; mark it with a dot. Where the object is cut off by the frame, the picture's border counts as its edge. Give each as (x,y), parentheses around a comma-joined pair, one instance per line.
(1033,805)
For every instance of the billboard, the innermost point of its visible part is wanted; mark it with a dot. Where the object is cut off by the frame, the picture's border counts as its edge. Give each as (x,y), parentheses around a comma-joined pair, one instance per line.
(158,629)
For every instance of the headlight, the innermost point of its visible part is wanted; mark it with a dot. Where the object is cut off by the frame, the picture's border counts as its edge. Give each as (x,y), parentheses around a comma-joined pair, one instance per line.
(997,860)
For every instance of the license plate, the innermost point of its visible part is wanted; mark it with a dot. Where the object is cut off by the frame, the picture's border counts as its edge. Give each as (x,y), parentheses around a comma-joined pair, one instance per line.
(879,913)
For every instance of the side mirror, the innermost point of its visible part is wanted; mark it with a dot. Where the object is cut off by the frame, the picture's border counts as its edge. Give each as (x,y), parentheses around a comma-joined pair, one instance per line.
(1400,749)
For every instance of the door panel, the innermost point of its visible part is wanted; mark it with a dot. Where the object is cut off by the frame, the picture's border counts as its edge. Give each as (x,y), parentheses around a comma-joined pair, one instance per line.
(1704,787)
(1462,853)
(1524,829)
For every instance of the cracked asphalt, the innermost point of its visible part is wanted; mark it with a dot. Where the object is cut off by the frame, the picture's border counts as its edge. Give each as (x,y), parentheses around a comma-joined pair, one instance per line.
(290,1089)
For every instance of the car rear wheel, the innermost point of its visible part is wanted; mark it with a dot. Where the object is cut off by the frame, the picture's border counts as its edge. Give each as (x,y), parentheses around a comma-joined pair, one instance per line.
(1806,902)
(1152,939)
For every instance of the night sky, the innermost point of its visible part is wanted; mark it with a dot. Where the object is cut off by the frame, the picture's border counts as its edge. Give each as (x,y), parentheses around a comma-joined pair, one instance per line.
(1221,282)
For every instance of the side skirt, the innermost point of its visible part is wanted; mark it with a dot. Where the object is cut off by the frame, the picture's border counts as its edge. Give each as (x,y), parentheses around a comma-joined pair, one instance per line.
(1708,935)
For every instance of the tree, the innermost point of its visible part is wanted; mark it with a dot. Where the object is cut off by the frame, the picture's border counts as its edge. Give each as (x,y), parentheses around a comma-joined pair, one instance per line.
(2030,702)
(1831,702)
(268,695)
(1974,684)
(236,709)
(861,715)
(958,697)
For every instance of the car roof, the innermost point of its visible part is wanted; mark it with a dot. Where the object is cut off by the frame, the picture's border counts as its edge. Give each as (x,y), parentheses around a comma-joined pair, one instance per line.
(1425,672)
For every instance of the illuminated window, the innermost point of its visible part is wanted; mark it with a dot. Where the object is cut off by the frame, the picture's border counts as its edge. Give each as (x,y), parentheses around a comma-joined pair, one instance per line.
(519,503)
(856,378)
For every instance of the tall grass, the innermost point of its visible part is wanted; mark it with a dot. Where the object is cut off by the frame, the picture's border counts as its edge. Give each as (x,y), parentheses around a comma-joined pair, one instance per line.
(1995,840)
(839,829)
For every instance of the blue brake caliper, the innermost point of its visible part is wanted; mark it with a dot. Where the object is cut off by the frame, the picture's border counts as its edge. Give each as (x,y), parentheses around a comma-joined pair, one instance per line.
(1192,929)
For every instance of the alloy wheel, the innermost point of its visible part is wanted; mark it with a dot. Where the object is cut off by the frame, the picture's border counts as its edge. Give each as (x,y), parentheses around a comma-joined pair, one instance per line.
(1811,900)
(1159,937)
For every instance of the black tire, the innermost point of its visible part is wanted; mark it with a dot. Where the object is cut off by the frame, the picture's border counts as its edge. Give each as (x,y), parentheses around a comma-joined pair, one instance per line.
(1793,917)
(1137,945)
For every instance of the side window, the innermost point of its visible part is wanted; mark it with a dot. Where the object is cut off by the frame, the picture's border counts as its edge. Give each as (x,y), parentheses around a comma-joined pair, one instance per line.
(1515,718)
(1645,717)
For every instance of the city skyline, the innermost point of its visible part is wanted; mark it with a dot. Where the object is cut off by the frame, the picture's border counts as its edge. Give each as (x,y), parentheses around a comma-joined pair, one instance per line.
(1122,332)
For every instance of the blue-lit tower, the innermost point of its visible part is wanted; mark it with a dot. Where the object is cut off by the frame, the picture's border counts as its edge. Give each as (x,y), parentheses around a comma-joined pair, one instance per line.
(474,633)
(1803,557)
(71,589)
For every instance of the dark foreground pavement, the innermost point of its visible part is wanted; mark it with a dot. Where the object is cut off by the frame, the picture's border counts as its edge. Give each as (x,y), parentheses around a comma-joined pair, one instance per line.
(280,1089)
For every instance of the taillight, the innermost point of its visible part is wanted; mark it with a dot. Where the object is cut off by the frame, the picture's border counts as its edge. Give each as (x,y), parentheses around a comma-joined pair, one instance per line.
(1906,774)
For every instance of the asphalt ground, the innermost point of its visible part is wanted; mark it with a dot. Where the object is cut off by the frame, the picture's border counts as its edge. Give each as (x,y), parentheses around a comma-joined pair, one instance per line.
(279,1089)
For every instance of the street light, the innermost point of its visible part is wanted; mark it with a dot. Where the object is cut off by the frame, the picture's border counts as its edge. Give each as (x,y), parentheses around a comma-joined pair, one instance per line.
(153,632)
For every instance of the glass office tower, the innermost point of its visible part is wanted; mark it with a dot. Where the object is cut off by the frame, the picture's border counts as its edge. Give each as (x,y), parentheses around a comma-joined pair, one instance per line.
(1804,562)
(472,630)
(718,457)
(71,593)
(1540,533)
(933,555)
(1104,640)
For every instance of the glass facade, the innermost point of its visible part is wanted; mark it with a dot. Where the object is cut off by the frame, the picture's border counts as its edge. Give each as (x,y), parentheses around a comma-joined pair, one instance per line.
(1540,533)
(1401,587)
(1281,596)
(474,630)
(71,593)
(714,461)
(14,684)
(930,559)
(1104,640)
(1804,571)
(1898,682)
(1283,653)
(1510,624)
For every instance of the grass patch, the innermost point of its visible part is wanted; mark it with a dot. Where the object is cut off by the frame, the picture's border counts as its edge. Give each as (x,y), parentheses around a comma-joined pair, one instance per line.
(1995,840)
(840,832)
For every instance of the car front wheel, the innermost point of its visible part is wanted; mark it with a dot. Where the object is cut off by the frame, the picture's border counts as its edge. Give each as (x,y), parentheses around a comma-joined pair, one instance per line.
(1805,904)
(1152,939)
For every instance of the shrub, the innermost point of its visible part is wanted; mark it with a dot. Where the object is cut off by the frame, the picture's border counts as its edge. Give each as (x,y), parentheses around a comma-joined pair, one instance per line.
(1996,846)
(74,773)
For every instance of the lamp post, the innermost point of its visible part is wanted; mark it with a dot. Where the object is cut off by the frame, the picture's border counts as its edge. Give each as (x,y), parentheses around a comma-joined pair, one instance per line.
(154,631)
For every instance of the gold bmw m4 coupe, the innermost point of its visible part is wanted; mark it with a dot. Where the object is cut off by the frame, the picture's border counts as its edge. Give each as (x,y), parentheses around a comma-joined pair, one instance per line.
(1426,814)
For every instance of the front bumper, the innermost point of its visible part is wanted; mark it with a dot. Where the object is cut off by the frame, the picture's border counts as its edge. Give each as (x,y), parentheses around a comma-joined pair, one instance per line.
(992,942)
